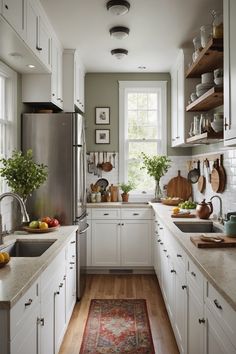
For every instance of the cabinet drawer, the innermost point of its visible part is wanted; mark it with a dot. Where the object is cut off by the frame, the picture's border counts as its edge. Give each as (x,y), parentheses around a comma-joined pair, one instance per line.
(224,313)
(144,213)
(23,308)
(52,270)
(195,277)
(105,214)
(71,249)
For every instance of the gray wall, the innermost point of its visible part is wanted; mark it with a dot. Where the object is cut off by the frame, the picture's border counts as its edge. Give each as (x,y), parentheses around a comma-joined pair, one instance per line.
(102,90)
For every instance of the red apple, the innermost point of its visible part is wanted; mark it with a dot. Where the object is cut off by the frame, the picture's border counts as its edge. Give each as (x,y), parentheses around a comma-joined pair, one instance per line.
(53,223)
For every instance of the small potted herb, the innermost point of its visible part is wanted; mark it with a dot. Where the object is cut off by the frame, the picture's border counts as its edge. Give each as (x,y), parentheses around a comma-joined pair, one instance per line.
(22,174)
(126,188)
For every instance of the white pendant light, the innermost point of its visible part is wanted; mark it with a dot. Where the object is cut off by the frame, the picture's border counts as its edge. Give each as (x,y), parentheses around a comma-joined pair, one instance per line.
(119,53)
(118,7)
(119,32)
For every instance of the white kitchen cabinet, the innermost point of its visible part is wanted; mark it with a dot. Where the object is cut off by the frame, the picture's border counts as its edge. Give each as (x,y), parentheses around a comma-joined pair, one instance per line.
(38,34)
(229,72)
(105,243)
(13,12)
(180,310)
(180,94)
(60,313)
(41,88)
(70,278)
(136,243)
(73,81)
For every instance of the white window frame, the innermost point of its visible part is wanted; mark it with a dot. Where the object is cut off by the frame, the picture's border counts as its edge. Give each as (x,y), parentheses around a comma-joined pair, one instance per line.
(11,111)
(124,88)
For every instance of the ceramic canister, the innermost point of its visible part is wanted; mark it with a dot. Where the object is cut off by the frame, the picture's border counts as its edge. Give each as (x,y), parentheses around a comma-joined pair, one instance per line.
(230,226)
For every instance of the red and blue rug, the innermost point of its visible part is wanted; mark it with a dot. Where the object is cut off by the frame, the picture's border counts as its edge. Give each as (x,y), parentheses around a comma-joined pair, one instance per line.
(117,326)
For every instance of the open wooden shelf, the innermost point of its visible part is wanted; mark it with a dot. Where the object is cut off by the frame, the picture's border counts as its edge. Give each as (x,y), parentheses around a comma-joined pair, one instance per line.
(211,99)
(210,58)
(206,138)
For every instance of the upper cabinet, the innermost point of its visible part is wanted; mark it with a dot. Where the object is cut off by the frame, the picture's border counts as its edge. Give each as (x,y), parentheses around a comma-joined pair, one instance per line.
(13,12)
(38,34)
(180,92)
(73,81)
(229,72)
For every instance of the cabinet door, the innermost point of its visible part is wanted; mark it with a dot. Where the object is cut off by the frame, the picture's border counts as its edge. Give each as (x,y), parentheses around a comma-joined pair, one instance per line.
(180,101)
(13,11)
(195,328)
(136,243)
(26,340)
(44,42)
(54,78)
(60,314)
(47,322)
(89,243)
(174,107)
(105,243)
(70,288)
(180,314)
(217,342)
(229,72)
(31,26)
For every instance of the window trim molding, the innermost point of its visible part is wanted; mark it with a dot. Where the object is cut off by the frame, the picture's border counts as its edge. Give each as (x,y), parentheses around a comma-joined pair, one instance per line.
(124,86)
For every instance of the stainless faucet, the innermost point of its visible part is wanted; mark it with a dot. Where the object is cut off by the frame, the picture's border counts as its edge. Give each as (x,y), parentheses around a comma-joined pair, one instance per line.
(220,217)
(25,216)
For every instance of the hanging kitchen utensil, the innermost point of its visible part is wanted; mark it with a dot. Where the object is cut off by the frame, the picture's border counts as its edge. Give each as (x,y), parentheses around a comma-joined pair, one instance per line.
(179,187)
(107,166)
(194,174)
(222,174)
(95,164)
(114,160)
(208,170)
(202,180)
(215,176)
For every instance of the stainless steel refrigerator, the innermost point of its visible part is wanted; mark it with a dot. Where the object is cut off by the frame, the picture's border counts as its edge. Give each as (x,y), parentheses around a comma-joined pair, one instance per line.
(58,141)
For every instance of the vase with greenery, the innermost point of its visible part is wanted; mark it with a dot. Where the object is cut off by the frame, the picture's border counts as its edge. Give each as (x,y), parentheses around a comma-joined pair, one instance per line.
(126,188)
(22,174)
(156,167)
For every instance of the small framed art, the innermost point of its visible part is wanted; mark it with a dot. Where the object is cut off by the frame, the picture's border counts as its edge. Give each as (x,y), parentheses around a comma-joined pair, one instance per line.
(102,115)
(102,136)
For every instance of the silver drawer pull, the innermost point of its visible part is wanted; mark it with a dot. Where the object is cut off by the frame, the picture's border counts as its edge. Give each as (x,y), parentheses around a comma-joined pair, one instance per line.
(61,285)
(72,262)
(165,250)
(201,320)
(184,287)
(28,303)
(161,228)
(173,271)
(71,268)
(193,274)
(72,242)
(135,214)
(105,214)
(217,304)
(179,255)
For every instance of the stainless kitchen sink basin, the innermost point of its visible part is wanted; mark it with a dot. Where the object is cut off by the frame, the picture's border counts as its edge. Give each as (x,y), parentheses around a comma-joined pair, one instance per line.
(28,248)
(191,227)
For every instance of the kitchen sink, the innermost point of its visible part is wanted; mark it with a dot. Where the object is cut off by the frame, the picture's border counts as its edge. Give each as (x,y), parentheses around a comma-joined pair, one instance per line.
(191,227)
(28,248)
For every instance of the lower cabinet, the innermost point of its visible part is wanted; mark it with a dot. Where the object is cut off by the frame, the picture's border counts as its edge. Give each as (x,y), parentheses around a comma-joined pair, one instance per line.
(202,321)
(119,242)
(59,313)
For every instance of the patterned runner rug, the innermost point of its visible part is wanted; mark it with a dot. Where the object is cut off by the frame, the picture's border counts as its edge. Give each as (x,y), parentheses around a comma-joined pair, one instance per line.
(117,326)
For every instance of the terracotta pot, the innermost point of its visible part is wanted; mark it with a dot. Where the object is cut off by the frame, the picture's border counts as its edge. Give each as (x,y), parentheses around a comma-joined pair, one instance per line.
(125,197)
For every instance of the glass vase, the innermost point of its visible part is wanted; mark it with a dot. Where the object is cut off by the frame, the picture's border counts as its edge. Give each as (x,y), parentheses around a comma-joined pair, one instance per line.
(158,191)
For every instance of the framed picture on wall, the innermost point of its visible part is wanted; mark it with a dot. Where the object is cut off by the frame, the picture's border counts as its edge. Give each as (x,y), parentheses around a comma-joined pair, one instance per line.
(102,136)
(102,115)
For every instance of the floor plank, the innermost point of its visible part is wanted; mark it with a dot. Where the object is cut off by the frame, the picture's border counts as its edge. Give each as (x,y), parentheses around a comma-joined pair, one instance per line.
(126,287)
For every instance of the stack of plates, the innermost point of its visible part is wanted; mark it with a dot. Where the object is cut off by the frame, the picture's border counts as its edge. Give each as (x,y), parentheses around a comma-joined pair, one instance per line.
(203,88)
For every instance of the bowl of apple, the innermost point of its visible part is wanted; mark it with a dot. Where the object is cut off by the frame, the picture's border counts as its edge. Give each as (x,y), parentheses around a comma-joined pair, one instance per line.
(45,224)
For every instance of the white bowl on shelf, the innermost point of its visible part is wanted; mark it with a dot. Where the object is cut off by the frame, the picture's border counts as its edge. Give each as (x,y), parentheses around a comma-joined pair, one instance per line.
(207,78)
(219,81)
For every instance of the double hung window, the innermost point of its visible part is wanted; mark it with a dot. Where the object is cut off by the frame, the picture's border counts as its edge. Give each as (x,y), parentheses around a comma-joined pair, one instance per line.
(143,116)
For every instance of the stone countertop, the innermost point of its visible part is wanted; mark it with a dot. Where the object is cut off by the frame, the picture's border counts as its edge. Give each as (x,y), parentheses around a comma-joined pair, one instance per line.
(119,205)
(218,265)
(21,272)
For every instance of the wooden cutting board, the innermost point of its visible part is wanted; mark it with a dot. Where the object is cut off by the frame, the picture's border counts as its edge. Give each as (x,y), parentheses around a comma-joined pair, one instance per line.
(186,215)
(228,242)
(179,187)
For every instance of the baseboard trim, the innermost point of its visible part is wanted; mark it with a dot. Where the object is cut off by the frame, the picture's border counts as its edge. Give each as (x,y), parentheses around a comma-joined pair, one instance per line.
(118,270)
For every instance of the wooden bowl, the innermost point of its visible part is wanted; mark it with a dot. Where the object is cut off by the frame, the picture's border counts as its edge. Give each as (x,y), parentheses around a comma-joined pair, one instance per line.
(3,264)
(172,201)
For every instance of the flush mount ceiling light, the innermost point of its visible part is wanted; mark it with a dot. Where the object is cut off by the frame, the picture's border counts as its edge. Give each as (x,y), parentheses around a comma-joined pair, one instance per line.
(119,53)
(118,7)
(119,32)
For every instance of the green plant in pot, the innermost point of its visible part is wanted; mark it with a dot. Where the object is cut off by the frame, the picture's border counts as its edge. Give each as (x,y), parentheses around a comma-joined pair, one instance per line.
(126,188)
(156,167)
(22,174)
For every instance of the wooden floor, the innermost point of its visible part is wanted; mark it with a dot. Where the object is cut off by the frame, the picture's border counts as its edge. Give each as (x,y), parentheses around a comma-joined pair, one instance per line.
(119,287)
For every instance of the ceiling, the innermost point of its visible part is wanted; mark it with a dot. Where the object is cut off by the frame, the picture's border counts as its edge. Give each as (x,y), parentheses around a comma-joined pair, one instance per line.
(157,29)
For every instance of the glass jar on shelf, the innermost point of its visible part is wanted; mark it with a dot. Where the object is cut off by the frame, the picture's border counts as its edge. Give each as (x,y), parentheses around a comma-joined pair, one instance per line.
(217,24)
(206,34)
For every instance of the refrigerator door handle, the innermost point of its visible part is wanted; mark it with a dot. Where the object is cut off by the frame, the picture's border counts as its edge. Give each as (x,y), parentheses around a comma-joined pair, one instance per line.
(84,230)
